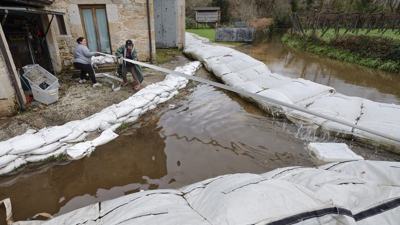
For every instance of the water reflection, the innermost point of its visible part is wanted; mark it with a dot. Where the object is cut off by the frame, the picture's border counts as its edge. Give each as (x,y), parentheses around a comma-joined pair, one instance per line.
(346,78)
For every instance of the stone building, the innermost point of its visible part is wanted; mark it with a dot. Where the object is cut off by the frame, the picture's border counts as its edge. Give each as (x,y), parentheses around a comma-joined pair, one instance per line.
(44,32)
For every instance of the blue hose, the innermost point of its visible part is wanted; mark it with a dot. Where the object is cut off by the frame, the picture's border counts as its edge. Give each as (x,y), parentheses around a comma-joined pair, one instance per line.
(20,77)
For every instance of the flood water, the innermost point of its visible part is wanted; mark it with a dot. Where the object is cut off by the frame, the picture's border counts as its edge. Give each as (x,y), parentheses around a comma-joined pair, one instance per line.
(346,78)
(210,132)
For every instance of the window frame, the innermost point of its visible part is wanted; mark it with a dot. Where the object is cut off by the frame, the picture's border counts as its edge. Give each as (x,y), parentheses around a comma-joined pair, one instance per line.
(62,29)
(96,28)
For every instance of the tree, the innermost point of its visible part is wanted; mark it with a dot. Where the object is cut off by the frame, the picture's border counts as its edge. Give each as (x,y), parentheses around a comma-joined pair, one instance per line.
(294,5)
(224,6)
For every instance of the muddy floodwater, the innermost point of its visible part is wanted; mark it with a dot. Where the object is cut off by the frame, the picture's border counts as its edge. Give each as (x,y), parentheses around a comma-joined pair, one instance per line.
(208,132)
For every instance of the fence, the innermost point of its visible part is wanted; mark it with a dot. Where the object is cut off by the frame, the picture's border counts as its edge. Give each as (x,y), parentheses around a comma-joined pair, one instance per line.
(351,22)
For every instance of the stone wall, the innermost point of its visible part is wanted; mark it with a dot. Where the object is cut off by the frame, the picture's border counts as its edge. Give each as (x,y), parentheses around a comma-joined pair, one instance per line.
(127,19)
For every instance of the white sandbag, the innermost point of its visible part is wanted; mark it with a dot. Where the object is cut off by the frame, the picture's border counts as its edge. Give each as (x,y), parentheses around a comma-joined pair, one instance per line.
(72,136)
(249,86)
(136,112)
(302,92)
(47,148)
(80,138)
(172,94)
(152,106)
(72,124)
(167,207)
(5,147)
(153,88)
(115,126)
(5,160)
(106,116)
(219,201)
(53,134)
(88,125)
(384,173)
(164,95)
(132,119)
(256,72)
(122,119)
(156,99)
(244,63)
(338,106)
(137,102)
(86,215)
(123,110)
(271,81)
(41,157)
(25,143)
(332,152)
(149,96)
(232,79)
(104,125)
(219,70)
(79,150)
(105,137)
(162,100)
(13,165)
(273,108)
(381,117)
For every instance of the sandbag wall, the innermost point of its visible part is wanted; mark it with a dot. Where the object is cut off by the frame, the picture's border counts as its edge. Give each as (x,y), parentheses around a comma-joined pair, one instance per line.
(338,193)
(240,71)
(70,139)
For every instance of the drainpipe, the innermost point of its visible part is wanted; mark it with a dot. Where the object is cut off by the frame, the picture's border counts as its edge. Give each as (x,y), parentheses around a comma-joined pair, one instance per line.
(149,27)
(12,73)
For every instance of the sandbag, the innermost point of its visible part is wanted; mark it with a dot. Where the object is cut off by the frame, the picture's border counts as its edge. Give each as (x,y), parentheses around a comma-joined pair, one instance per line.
(53,134)
(88,125)
(79,150)
(13,165)
(5,147)
(5,160)
(47,148)
(25,143)
(42,157)
(338,106)
(106,136)
(75,134)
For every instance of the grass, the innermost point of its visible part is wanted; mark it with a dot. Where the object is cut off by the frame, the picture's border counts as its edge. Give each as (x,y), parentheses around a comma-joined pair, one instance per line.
(330,34)
(210,35)
(121,128)
(54,158)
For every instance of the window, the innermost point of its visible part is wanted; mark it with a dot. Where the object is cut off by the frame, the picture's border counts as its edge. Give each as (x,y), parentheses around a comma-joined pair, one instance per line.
(96,28)
(61,25)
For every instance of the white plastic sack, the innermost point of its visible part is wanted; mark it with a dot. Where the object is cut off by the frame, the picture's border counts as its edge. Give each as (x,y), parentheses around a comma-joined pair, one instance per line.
(13,165)
(123,110)
(5,160)
(338,106)
(106,115)
(79,150)
(105,137)
(75,134)
(47,148)
(381,117)
(53,134)
(5,147)
(80,138)
(38,158)
(232,79)
(88,125)
(25,143)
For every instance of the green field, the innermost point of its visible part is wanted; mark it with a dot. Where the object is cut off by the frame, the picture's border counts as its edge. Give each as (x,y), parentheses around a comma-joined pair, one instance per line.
(210,34)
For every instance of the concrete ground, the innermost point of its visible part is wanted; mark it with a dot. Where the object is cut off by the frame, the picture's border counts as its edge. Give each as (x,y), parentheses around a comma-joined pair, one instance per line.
(77,101)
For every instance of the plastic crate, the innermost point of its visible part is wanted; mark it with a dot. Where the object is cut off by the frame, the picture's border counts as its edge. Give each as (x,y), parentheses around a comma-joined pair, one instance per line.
(44,84)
